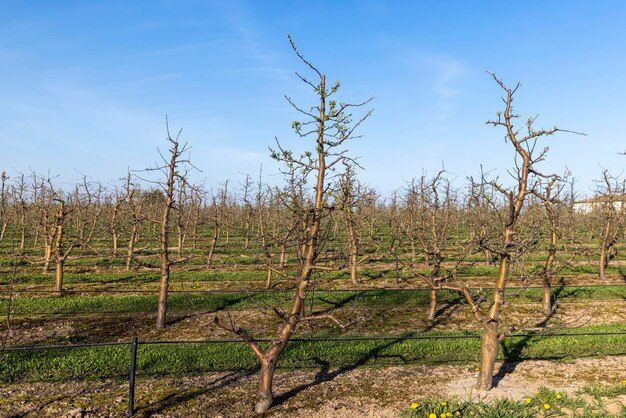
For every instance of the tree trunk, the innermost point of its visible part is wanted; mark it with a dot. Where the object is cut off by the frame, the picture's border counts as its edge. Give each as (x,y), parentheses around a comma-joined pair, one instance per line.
(353,269)
(488,354)
(209,258)
(602,262)
(114,244)
(47,255)
(165,254)
(547,277)
(353,248)
(283,255)
(547,296)
(268,284)
(58,285)
(179,247)
(270,357)
(265,396)
(432,307)
(131,245)
(23,229)
(489,341)
(162,306)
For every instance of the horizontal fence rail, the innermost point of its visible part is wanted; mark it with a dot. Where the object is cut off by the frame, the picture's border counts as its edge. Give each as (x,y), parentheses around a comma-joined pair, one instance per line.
(349,290)
(312,339)
(135,343)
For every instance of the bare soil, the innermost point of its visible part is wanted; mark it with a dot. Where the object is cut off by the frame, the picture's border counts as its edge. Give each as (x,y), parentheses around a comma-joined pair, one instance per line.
(360,392)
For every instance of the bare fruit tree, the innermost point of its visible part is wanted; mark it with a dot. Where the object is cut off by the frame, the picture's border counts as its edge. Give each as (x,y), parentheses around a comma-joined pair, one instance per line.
(550,194)
(430,205)
(4,221)
(514,198)
(610,195)
(330,124)
(174,170)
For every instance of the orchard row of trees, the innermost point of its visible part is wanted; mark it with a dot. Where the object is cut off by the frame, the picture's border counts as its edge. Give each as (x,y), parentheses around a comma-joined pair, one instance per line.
(427,219)
(324,218)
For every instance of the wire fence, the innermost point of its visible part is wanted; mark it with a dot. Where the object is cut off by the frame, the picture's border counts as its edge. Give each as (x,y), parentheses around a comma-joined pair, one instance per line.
(290,290)
(134,343)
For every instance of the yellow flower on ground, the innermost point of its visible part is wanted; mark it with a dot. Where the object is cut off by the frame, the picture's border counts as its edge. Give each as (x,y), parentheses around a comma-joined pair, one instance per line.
(624,382)
(558,396)
(528,400)
(443,416)
(432,415)
(443,403)
(477,369)
(448,414)
(546,406)
(414,405)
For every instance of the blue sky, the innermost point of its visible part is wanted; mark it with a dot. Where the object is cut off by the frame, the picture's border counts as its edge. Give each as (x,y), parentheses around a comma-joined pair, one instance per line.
(86,85)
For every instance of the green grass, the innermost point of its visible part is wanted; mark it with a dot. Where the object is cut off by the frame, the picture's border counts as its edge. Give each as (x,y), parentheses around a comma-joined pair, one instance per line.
(215,301)
(545,403)
(185,359)
(134,277)
(599,392)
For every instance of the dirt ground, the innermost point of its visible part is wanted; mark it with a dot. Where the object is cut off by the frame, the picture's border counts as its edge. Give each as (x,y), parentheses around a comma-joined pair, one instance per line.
(360,392)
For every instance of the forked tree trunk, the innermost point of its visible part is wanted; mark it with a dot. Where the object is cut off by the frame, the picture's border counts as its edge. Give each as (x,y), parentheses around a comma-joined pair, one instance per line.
(265,395)
(489,345)
(490,340)
(514,203)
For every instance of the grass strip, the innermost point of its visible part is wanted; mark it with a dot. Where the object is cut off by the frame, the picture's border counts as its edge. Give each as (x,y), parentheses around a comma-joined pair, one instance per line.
(193,358)
(79,304)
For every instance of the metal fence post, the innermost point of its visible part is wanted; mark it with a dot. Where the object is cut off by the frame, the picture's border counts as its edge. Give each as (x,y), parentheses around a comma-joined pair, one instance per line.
(131,377)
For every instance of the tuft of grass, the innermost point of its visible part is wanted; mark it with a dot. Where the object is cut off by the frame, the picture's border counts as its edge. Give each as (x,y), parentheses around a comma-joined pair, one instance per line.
(599,392)
(545,403)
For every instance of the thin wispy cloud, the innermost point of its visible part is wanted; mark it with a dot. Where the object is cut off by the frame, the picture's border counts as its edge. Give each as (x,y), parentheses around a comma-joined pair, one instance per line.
(250,36)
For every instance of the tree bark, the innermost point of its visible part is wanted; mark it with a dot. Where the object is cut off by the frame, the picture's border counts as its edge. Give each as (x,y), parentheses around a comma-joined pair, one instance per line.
(165,254)
(488,354)
(432,307)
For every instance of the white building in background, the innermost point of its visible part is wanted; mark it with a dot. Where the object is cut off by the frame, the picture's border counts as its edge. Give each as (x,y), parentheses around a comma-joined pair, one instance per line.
(588,205)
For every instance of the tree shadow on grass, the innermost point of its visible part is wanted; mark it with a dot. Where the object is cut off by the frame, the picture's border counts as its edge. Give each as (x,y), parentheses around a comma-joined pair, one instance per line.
(445,311)
(178,316)
(326,375)
(336,304)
